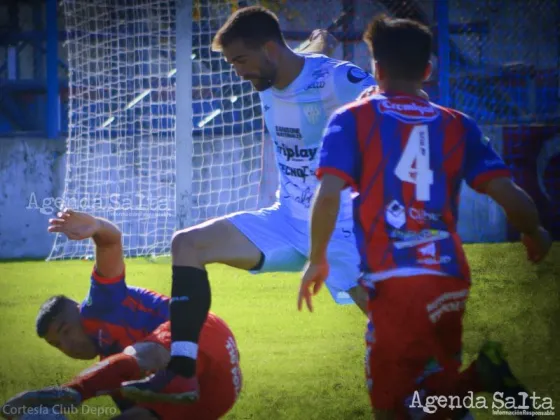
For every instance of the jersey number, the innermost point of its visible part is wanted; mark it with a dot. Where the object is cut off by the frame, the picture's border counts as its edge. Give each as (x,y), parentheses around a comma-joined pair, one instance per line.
(414,164)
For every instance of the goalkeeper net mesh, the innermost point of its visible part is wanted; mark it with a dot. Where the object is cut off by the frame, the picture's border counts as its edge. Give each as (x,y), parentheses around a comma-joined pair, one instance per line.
(121,146)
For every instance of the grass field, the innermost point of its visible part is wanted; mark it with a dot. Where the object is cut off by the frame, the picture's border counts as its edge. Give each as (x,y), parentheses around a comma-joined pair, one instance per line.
(296,365)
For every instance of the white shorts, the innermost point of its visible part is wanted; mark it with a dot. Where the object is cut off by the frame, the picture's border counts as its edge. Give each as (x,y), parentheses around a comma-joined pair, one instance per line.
(284,241)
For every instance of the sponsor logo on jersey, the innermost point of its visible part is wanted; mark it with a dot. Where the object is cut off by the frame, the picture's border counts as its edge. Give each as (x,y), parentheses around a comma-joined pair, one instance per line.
(444,259)
(428,250)
(428,255)
(316,85)
(296,153)
(395,214)
(356,75)
(303,172)
(408,239)
(320,73)
(288,132)
(421,215)
(407,109)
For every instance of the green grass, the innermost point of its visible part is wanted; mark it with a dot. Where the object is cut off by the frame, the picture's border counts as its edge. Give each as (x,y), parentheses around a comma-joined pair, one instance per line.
(296,365)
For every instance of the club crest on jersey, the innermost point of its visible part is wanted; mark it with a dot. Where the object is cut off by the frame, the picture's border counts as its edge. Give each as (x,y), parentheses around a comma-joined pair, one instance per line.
(356,75)
(312,113)
(408,110)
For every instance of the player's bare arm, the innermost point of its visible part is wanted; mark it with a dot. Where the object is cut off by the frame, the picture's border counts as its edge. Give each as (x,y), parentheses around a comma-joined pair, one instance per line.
(324,214)
(522,213)
(320,42)
(107,237)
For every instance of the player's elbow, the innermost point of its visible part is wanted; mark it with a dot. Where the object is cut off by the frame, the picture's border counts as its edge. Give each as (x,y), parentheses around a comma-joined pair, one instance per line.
(520,209)
(150,356)
(327,202)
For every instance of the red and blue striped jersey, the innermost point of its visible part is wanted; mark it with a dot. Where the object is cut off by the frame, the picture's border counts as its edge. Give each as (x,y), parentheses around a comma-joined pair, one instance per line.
(407,158)
(116,315)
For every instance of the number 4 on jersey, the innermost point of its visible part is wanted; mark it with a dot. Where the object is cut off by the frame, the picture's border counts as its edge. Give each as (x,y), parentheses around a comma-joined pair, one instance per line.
(414,164)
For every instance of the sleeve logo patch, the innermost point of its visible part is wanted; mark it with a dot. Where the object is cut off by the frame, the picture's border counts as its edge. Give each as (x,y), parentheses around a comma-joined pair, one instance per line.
(356,75)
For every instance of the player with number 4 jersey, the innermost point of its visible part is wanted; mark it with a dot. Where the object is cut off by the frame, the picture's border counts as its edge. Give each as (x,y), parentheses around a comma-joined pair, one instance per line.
(407,157)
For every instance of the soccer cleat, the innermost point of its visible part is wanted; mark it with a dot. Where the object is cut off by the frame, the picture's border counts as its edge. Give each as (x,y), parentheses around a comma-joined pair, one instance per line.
(495,375)
(164,386)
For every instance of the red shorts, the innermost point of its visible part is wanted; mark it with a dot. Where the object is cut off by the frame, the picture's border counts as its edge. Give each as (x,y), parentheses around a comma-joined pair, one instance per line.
(218,371)
(416,325)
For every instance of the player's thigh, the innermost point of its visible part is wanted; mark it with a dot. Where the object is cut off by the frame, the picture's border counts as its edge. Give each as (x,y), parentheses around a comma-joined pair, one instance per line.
(136,413)
(416,325)
(271,233)
(395,352)
(214,241)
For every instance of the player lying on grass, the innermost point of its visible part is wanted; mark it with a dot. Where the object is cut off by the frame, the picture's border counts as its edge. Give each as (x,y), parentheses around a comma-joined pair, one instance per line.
(298,93)
(128,328)
(407,158)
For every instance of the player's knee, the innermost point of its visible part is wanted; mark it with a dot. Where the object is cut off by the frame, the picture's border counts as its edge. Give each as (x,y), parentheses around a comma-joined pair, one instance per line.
(195,246)
(188,242)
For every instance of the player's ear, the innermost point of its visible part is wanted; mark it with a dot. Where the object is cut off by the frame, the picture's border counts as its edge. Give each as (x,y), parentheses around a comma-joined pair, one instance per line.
(377,71)
(271,50)
(428,71)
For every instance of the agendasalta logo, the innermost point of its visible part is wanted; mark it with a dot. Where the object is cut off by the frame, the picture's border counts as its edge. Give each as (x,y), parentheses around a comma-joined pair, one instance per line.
(132,205)
(524,404)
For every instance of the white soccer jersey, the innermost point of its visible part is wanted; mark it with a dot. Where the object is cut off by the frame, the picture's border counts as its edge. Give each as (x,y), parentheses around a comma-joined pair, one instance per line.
(296,117)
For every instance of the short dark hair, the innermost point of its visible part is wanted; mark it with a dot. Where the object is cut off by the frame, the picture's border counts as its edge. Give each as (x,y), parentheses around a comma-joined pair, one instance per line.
(254,25)
(401,46)
(48,311)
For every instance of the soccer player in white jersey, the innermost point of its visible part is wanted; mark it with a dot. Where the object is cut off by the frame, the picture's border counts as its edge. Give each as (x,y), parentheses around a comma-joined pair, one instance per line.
(298,93)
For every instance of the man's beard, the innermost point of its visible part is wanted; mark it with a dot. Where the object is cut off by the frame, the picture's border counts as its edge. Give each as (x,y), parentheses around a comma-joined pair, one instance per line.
(262,84)
(266,80)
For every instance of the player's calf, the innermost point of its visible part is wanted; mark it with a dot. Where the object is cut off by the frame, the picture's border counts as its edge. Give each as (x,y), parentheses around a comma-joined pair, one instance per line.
(164,386)
(191,249)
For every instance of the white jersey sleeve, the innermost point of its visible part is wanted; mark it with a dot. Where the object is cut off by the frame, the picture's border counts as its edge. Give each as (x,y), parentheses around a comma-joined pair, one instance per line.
(349,82)
(295,118)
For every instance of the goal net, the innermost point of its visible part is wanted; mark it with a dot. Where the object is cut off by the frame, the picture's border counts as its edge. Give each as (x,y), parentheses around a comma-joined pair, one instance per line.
(122,155)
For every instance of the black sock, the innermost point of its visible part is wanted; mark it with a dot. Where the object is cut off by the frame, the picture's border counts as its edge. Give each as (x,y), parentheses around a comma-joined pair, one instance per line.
(190,303)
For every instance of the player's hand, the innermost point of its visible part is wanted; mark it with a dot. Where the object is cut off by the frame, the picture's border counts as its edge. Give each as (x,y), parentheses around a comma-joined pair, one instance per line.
(23,403)
(312,280)
(74,224)
(321,41)
(537,244)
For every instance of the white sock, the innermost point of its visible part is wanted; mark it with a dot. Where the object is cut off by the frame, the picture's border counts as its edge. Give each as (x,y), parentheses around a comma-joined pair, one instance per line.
(184,349)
